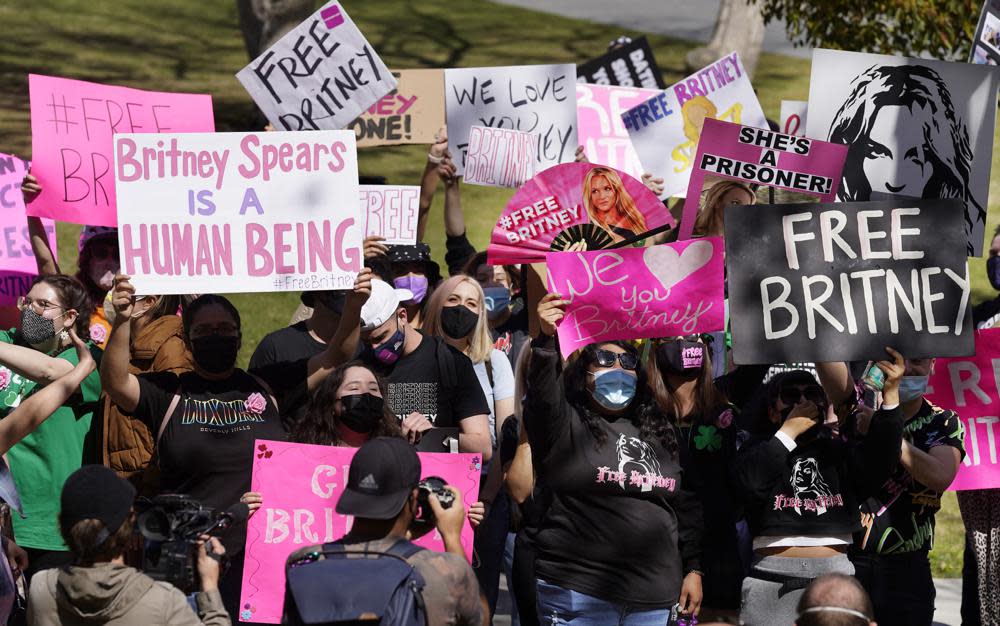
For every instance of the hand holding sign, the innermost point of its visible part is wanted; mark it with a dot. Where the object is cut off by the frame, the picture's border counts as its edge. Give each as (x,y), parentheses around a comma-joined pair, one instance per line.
(551,311)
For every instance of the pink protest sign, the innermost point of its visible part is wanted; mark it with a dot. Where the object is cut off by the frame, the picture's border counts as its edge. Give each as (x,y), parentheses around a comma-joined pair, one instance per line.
(755,156)
(600,129)
(301,484)
(72,124)
(662,291)
(570,204)
(17,261)
(968,386)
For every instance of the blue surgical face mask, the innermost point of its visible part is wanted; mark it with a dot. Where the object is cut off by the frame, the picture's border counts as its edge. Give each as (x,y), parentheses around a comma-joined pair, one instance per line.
(912,387)
(614,388)
(497,301)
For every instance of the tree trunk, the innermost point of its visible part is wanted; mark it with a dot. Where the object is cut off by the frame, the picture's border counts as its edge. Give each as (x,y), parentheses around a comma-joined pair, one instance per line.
(739,27)
(264,22)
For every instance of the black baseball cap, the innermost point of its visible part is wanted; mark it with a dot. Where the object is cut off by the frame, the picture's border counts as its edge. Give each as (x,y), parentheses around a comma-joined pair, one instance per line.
(96,492)
(417,253)
(384,471)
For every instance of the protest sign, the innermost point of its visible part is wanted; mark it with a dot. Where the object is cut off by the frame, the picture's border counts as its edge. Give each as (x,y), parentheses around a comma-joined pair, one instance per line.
(530,98)
(631,65)
(72,123)
(661,291)
(841,281)
(300,485)
(793,117)
(242,212)
(986,44)
(572,203)
(320,76)
(756,157)
(600,129)
(391,212)
(500,157)
(969,386)
(413,112)
(915,127)
(665,129)
(18,267)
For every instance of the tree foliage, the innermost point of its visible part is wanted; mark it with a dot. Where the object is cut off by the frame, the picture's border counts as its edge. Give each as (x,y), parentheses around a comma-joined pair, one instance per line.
(942,29)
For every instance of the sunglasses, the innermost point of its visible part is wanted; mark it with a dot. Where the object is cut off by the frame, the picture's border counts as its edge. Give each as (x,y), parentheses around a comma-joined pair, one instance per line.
(812,393)
(607,358)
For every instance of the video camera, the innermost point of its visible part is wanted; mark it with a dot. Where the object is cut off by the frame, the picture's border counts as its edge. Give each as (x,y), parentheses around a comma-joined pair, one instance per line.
(172,524)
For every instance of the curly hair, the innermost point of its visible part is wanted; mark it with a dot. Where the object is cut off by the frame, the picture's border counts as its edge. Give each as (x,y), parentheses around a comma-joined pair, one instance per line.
(319,424)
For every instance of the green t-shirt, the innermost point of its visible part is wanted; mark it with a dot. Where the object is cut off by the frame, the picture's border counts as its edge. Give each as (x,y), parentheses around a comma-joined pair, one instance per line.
(43,460)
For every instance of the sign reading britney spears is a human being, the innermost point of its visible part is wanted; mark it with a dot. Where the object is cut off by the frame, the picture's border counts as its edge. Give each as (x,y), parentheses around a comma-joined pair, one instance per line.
(242,212)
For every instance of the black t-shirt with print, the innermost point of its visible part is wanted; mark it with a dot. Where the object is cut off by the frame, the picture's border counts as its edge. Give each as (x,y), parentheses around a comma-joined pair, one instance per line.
(900,517)
(435,380)
(286,348)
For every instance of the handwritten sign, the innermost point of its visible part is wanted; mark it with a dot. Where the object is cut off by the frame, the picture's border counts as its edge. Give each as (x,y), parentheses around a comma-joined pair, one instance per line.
(500,157)
(17,261)
(413,112)
(630,65)
(529,98)
(391,212)
(758,157)
(968,386)
(662,291)
(793,117)
(320,76)
(242,212)
(840,281)
(72,123)
(600,129)
(301,485)
(665,129)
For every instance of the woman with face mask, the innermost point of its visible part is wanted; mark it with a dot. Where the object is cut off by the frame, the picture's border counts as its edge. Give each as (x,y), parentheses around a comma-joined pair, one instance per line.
(620,542)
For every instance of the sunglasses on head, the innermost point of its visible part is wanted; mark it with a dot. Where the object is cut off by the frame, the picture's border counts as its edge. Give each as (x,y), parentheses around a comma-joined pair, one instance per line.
(607,358)
(812,393)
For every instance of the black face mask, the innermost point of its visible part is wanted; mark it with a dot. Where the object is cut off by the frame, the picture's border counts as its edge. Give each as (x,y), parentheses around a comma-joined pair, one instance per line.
(993,271)
(681,357)
(215,353)
(458,321)
(362,412)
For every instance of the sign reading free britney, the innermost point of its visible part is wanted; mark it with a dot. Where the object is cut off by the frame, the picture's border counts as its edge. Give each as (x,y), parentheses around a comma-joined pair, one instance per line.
(238,212)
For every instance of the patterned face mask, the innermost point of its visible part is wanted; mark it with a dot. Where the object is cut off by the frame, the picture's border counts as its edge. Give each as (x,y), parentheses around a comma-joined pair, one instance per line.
(36,328)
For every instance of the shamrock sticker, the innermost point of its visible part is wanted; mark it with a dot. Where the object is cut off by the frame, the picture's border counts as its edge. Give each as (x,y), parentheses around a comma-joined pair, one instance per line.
(708,438)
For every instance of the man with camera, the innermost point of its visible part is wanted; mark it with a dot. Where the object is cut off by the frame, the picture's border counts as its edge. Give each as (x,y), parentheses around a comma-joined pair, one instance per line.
(390,505)
(97,522)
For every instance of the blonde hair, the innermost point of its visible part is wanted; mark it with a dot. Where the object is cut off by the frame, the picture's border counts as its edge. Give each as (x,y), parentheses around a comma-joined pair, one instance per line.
(624,204)
(710,217)
(480,341)
(691,131)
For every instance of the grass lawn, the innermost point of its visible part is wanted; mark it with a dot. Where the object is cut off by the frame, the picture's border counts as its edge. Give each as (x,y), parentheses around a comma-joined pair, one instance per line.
(183,45)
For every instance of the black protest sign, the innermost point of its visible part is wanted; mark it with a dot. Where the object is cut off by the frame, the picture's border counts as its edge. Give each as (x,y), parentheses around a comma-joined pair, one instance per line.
(841,281)
(631,65)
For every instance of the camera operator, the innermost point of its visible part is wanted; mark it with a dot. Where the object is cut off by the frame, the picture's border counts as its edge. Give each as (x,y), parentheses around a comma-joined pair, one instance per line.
(382,495)
(97,524)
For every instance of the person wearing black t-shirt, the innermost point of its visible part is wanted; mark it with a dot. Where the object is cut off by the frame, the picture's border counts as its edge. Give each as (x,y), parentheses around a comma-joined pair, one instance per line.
(620,542)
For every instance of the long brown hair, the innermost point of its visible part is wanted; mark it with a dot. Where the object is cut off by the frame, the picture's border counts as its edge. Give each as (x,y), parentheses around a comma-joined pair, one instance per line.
(319,424)
(707,397)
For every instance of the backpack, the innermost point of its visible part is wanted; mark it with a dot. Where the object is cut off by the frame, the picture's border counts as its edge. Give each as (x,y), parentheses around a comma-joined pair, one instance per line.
(342,589)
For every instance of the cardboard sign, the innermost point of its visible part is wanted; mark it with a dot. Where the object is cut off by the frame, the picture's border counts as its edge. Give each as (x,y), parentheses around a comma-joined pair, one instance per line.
(600,129)
(391,212)
(986,44)
(665,129)
(793,117)
(758,157)
(840,282)
(500,157)
(530,98)
(320,76)
(631,65)
(239,212)
(72,123)
(569,204)
(914,127)
(969,387)
(301,485)
(413,112)
(662,291)
(18,267)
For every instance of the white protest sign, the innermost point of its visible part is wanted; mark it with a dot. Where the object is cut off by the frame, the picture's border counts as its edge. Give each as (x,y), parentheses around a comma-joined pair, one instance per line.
(391,212)
(793,117)
(319,76)
(500,157)
(665,129)
(538,99)
(238,212)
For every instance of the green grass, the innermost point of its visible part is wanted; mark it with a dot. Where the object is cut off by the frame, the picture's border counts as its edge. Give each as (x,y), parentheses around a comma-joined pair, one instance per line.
(183,45)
